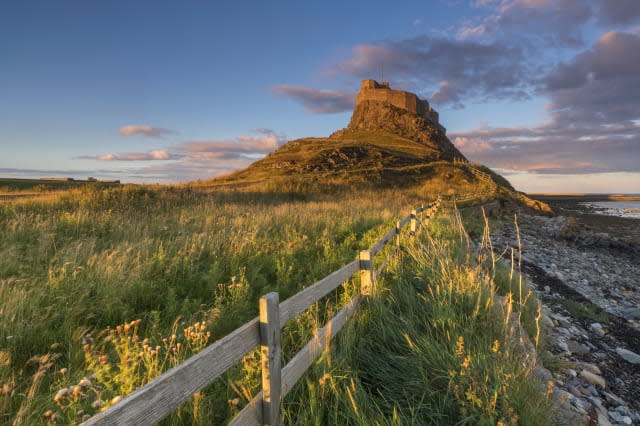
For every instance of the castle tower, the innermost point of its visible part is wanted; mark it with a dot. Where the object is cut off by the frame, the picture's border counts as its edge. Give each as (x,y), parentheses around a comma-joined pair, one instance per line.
(371,90)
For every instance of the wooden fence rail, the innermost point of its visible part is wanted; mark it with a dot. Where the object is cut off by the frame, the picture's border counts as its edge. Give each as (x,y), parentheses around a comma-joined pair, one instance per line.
(160,397)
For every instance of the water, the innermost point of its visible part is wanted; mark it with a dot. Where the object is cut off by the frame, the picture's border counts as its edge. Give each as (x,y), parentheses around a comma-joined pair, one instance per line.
(616,208)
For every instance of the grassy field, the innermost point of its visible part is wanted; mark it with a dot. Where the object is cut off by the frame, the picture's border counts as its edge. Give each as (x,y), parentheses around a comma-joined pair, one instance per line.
(103,289)
(13,185)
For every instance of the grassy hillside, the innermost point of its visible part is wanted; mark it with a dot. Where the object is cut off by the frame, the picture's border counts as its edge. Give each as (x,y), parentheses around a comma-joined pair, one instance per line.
(103,289)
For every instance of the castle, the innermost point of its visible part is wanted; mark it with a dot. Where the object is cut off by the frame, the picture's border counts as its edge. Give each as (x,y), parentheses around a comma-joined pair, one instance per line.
(371,90)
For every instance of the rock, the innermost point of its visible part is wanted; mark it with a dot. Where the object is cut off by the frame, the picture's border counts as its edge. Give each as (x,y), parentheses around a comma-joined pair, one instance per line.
(577,348)
(575,391)
(631,313)
(571,372)
(617,417)
(547,289)
(613,398)
(542,373)
(628,355)
(598,329)
(592,368)
(594,379)
(603,418)
(562,345)
(592,390)
(547,322)
(603,415)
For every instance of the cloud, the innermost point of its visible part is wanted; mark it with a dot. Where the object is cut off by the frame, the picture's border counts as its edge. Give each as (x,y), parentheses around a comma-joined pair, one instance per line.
(600,85)
(551,149)
(248,146)
(146,131)
(471,145)
(547,22)
(198,159)
(318,101)
(446,93)
(153,155)
(618,12)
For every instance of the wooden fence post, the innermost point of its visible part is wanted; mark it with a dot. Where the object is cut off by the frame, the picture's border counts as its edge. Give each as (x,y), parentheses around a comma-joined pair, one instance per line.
(271,352)
(413,222)
(366,272)
(398,234)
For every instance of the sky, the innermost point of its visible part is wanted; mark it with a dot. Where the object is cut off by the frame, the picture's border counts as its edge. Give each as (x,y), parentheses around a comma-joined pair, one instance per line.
(545,92)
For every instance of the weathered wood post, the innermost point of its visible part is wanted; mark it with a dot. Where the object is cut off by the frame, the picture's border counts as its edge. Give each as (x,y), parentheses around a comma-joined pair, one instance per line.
(413,222)
(366,272)
(397,234)
(271,354)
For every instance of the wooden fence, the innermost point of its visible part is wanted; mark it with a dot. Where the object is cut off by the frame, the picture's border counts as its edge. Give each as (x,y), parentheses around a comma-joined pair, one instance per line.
(160,397)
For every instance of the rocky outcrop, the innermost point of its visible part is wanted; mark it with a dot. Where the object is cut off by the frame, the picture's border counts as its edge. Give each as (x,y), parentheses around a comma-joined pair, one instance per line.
(375,116)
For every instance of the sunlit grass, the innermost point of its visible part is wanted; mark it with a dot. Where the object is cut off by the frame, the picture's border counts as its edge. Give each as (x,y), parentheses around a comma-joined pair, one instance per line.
(103,290)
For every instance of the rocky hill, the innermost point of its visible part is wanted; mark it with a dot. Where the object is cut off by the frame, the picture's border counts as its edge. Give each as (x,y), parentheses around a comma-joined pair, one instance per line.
(386,144)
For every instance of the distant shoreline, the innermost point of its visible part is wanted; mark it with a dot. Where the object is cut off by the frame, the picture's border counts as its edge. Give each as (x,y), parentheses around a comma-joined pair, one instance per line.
(583,197)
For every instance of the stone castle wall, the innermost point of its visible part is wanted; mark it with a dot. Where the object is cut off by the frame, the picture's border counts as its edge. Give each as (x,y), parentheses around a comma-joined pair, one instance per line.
(371,90)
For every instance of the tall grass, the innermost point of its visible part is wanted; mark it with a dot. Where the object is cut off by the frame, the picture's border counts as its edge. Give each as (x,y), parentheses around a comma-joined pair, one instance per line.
(103,290)
(90,259)
(432,346)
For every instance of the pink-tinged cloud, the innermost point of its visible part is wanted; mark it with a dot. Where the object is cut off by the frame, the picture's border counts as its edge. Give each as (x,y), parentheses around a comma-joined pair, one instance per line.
(551,149)
(471,145)
(264,142)
(154,155)
(146,131)
(318,101)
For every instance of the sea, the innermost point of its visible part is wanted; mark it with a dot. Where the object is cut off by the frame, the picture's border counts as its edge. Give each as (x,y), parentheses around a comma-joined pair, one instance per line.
(629,209)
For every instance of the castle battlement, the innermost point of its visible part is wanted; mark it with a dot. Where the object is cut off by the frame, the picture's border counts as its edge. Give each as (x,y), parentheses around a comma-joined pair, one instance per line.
(371,90)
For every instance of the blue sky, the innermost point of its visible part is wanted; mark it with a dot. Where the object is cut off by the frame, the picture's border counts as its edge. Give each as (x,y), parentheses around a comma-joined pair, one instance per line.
(546,92)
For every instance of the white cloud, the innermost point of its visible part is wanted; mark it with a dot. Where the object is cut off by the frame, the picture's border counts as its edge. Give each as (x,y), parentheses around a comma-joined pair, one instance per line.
(145,130)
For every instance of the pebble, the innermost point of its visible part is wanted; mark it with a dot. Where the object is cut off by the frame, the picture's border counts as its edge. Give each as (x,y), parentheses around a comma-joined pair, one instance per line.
(617,417)
(628,355)
(589,269)
(594,379)
(605,278)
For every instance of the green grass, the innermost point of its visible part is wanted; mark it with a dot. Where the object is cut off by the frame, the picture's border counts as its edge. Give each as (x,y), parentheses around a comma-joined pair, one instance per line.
(586,311)
(431,347)
(10,185)
(117,285)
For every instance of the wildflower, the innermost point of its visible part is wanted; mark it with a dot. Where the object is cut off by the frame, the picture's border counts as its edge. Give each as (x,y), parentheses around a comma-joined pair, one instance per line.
(116,399)
(76,391)
(460,346)
(48,414)
(466,363)
(86,417)
(550,386)
(496,346)
(61,394)
(85,383)
(97,403)
(324,379)
(234,402)
(63,371)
